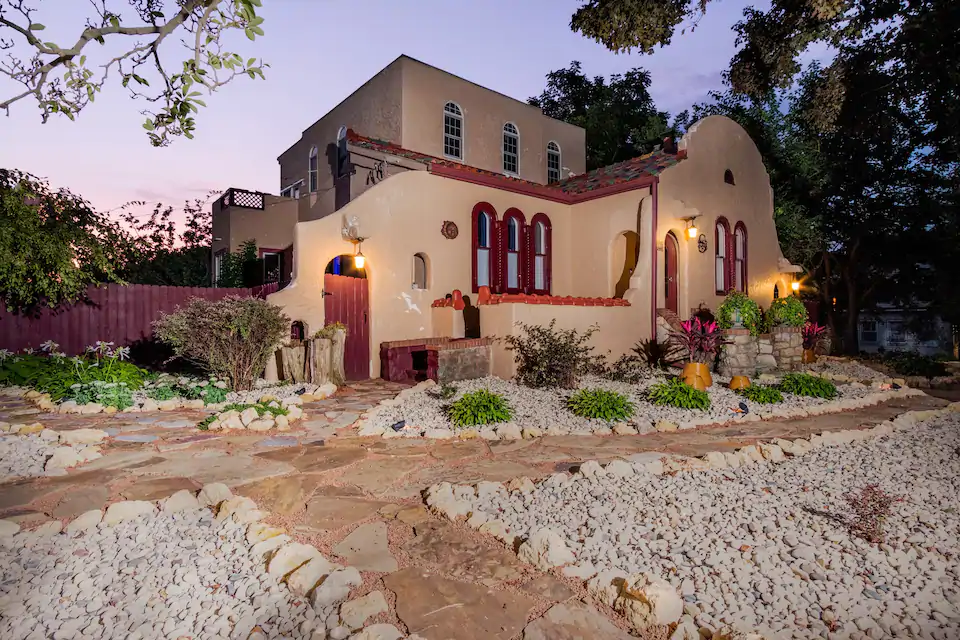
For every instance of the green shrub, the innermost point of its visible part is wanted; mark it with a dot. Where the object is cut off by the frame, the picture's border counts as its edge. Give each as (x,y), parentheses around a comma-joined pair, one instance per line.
(213,394)
(914,364)
(804,384)
(787,312)
(479,407)
(762,394)
(627,368)
(600,404)
(674,393)
(108,394)
(231,337)
(56,374)
(547,357)
(161,392)
(749,312)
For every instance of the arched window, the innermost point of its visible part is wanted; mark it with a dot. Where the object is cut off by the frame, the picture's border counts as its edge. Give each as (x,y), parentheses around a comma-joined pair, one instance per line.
(484,248)
(553,162)
(514,242)
(511,149)
(419,271)
(728,177)
(341,151)
(722,265)
(452,131)
(542,254)
(740,257)
(312,167)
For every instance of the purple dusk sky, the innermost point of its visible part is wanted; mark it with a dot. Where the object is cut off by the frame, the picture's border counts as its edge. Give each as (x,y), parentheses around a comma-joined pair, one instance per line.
(319,51)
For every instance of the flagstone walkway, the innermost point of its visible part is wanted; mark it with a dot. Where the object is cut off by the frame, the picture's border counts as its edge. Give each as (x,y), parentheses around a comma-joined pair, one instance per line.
(324,484)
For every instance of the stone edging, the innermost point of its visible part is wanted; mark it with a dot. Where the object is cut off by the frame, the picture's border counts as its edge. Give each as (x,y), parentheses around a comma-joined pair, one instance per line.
(513,432)
(304,570)
(643,599)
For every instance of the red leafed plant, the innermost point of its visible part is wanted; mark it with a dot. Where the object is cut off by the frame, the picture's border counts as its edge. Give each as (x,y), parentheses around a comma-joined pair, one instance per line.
(871,506)
(700,340)
(812,334)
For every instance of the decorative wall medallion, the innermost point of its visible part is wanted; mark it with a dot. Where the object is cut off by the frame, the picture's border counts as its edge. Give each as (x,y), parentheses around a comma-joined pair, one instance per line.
(449,230)
(702,243)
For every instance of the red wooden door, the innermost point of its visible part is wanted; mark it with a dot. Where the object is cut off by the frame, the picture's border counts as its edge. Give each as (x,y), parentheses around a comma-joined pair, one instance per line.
(346,300)
(670,288)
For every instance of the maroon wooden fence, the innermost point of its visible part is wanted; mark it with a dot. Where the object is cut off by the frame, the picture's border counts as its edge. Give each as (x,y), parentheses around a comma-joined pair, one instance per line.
(118,314)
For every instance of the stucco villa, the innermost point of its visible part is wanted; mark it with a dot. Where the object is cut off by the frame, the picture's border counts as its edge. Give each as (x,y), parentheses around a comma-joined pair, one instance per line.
(429,214)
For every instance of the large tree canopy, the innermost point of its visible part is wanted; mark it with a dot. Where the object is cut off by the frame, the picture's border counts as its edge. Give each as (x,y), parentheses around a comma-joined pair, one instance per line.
(619,116)
(63,79)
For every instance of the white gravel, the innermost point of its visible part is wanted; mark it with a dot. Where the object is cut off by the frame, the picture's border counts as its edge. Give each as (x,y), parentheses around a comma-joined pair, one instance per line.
(167,576)
(849,368)
(546,409)
(24,456)
(744,547)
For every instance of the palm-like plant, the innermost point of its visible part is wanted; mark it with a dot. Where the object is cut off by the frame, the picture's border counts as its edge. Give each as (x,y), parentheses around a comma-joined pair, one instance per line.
(698,339)
(812,334)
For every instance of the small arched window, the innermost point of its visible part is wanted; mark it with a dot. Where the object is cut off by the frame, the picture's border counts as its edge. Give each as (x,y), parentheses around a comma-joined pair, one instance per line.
(514,251)
(341,151)
(297,331)
(722,263)
(511,149)
(312,168)
(542,254)
(484,258)
(553,162)
(419,271)
(728,177)
(453,131)
(740,257)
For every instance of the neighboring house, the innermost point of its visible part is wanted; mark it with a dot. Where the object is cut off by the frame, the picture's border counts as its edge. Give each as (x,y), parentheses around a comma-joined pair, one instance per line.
(443,186)
(892,328)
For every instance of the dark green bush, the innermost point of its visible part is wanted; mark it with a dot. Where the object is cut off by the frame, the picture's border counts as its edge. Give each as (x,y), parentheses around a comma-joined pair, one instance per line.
(161,393)
(674,393)
(762,394)
(803,384)
(478,408)
(548,357)
(914,364)
(600,404)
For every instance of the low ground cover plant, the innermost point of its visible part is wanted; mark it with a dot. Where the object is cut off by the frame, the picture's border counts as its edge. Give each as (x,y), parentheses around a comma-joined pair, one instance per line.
(108,394)
(600,404)
(547,357)
(870,507)
(478,408)
(761,394)
(804,384)
(674,393)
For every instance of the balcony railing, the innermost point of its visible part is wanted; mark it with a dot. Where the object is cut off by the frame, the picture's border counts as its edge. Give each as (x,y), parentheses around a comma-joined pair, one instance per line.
(242,198)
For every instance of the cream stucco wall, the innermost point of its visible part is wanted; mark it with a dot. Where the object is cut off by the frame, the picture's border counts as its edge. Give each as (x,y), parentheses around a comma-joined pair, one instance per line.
(271,227)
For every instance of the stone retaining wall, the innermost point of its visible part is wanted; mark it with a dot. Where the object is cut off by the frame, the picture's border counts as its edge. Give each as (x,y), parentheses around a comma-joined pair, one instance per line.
(787,348)
(745,354)
(739,355)
(462,363)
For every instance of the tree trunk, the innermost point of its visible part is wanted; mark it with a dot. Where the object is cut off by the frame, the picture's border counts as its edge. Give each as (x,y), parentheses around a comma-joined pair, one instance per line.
(851,342)
(322,374)
(825,293)
(337,375)
(293,358)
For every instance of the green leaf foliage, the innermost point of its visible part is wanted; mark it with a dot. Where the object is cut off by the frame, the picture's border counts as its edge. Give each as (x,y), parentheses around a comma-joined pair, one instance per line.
(674,393)
(787,312)
(914,364)
(59,375)
(600,404)
(108,394)
(479,408)
(762,394)
(804,384)
(549,358)
(749,312)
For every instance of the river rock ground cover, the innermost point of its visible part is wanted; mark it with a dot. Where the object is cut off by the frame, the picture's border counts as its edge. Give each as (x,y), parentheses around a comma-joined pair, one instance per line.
(765,547)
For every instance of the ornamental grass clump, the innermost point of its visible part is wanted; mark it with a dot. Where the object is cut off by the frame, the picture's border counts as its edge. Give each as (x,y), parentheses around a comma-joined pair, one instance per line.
(479,408)
(600,404)
(232,337)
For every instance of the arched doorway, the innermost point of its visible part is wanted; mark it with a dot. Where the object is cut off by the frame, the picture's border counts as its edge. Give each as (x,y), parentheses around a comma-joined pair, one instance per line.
(346,300)
(671,288)
(626,254)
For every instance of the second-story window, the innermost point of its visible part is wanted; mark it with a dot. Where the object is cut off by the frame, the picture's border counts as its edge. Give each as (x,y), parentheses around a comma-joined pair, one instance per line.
(553,162)
(511,149)
(452,131)
(312,168)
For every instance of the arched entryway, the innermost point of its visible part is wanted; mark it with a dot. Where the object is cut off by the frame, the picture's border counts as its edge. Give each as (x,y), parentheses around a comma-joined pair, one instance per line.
(626,254)
(671,279)
(346,300)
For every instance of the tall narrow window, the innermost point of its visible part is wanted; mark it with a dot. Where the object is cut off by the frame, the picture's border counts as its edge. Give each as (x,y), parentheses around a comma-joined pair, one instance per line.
(514,251)
(484,257)
(341,151)
(511,149)
(740,256)
(542,253)
(419,271)
(312,169)
(553,162)
(722,266)
(452,131)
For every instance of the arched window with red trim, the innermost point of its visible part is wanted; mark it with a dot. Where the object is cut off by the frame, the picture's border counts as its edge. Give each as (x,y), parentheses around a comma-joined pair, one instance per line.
(740,257)
(542,245)
(514,253)
(722,264)
(484,253)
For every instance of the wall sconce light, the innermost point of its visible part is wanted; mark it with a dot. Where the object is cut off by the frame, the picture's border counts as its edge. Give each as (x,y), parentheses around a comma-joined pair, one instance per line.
(795,285)
(692,230)
(359,259)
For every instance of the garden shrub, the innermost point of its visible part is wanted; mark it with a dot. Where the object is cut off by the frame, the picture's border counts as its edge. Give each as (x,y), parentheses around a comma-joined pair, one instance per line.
(804,384)
(761,393)
(787,312)
(548,357)
(161,392)
(56,374)
(231,337)
(108,394)
(749,312)
(914,364)
(674,393)
(627,368)
(600,404)
(478,408)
